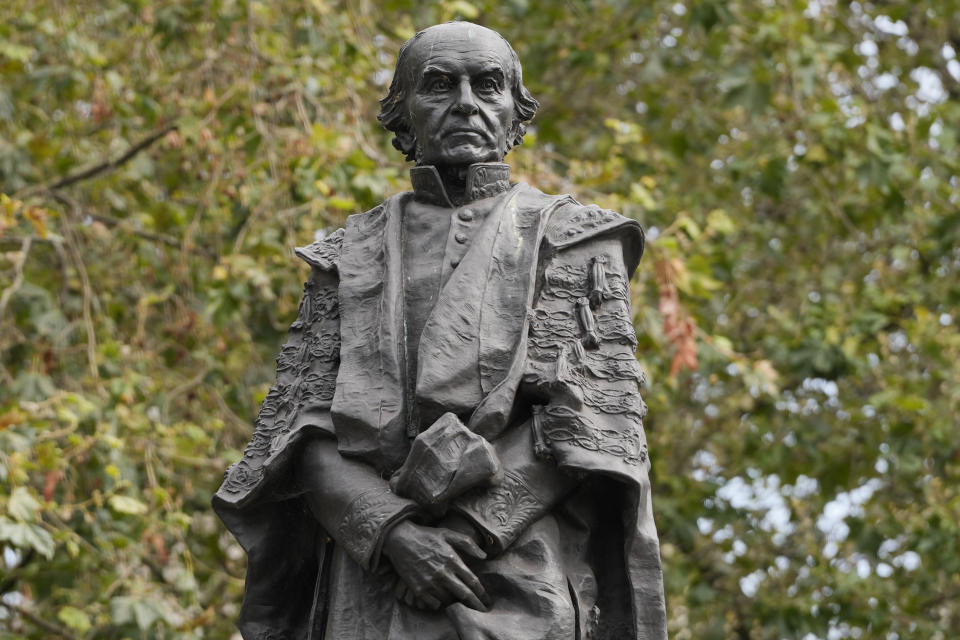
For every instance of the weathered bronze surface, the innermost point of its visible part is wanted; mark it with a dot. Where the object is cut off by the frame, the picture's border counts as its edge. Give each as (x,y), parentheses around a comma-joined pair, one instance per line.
(454,445)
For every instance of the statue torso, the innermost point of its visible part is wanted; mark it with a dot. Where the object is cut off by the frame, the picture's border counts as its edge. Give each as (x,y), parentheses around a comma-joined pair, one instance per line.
(435,236)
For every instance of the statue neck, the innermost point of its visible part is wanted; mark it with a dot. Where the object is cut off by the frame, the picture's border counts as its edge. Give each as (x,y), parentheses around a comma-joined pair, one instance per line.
(453,186)
(454,180)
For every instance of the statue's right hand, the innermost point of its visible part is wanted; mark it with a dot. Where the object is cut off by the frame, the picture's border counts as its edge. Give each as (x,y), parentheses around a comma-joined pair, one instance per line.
(428,561)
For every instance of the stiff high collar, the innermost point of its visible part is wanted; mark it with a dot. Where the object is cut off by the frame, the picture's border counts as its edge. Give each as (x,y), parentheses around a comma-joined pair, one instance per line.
(484,179)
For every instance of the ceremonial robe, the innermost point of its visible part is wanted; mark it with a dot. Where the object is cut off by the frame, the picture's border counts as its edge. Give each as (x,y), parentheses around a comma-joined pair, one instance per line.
(530,345)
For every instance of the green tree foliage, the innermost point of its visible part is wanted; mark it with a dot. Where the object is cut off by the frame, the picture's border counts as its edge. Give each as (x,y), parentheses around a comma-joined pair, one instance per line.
(795,164)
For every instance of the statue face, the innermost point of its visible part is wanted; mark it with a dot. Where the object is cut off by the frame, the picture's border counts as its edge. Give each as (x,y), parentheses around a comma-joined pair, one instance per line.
(461,108)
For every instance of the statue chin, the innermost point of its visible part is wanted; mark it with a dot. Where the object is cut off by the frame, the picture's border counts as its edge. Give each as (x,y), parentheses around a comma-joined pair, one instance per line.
(463,153)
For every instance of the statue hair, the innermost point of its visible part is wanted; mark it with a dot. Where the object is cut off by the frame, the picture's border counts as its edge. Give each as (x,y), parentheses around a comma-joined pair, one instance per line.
(394,116)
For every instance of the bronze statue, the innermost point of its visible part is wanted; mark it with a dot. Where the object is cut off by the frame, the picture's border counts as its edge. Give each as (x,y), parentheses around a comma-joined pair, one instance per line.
(454,445)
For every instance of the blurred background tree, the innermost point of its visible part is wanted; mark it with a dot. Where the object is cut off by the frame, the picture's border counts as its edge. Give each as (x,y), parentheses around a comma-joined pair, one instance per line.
(794,162)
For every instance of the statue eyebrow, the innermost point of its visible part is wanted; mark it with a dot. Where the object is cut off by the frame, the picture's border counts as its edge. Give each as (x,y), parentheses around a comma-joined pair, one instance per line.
(492,69)
(435,70)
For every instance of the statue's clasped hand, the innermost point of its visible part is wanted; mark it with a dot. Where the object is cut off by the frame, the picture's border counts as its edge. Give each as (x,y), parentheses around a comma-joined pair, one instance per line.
(444,462)
(430,563)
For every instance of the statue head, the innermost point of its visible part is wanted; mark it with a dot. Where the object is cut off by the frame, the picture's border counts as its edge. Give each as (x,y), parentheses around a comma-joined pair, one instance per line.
(457,97)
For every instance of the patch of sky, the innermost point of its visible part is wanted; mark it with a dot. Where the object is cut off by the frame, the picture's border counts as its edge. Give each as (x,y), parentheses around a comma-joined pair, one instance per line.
(908,561)
(814,7)
(892,27)
(11,557)
(724,533)
(845,504)
(908,45)
(885,81)
(750,583)
(762,495)
(953,68)
(920,108)
(804,486)
(867,48)
(896,121)
(705,525)
(929,86)
(936,128)
(897,341)
(826,387)
(705,466)
(837,631)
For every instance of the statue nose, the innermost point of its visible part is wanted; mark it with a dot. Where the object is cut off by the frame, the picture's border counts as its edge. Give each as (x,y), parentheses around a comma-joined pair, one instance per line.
(466,101)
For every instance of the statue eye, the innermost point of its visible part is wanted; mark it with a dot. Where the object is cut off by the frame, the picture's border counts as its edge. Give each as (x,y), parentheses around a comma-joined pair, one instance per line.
(487,85)
(439,84)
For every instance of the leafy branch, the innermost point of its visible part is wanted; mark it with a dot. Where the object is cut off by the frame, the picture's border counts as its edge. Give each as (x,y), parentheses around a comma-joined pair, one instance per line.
(103,167)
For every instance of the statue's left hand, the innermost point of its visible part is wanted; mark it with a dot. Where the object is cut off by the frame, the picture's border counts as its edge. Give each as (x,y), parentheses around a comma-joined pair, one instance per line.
(432,572)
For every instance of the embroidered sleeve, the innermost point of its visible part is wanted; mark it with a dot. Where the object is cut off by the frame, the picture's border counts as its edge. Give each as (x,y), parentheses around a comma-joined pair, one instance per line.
(502,513)
(530,487)
(581,362)
(365,521)
(357,512)
(301,396)
(582,374)
(323,254)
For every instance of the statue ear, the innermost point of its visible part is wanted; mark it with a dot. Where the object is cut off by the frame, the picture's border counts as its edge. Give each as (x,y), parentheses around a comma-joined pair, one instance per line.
(406,141)
(515,136)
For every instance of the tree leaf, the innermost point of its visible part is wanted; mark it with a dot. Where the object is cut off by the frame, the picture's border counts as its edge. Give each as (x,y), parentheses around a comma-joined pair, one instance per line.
(22,505)
(127,505)
(74,619)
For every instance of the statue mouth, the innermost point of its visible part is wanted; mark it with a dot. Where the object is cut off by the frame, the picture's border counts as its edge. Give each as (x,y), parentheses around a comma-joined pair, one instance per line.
(467,131)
